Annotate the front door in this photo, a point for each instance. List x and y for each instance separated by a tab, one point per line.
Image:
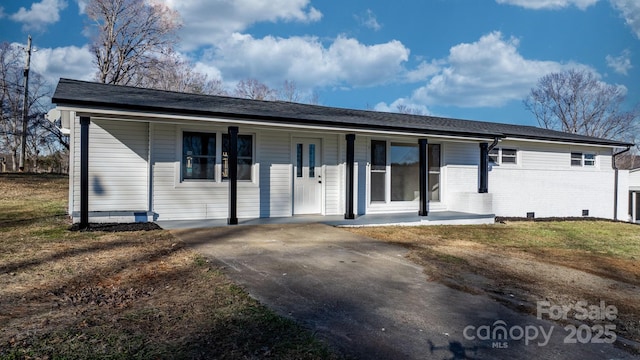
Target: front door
307	196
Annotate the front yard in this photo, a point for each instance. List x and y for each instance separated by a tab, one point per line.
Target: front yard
142	294
520	263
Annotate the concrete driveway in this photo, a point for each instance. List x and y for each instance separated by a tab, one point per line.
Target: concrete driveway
364	298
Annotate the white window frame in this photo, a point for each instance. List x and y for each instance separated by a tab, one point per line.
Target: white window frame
576	156
592	160
587	159
181	156
499	155
217	181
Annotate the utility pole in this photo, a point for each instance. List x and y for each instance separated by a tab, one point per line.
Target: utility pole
25	108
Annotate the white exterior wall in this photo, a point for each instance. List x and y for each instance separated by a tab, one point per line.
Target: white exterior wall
544	182
269	194
634	178
332	179
118	169
274	157
181	200
460	179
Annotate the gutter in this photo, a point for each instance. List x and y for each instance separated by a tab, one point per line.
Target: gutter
615	185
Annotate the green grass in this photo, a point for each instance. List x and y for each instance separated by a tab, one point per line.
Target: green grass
596	237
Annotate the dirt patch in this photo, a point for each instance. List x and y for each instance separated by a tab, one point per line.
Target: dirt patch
520	277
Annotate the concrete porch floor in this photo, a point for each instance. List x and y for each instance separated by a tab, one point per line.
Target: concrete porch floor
402	219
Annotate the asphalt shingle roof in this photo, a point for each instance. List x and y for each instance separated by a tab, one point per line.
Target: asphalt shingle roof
104	96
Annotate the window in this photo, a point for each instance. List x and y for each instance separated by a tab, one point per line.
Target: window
494	155
589	160
499	156
198	156
299	160
509	156
580	159
395	172
378	170
405	167
576	159
245	156
434	172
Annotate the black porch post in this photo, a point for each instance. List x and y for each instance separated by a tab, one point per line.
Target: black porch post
349	176
84	171
424	177
484	168
233	175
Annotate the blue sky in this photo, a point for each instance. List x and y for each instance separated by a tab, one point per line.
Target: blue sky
471	59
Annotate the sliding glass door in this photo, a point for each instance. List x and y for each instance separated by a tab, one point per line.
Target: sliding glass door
394	172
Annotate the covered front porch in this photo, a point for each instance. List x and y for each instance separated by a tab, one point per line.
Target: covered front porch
395	219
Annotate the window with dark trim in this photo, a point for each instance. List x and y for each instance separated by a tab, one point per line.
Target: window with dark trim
198	156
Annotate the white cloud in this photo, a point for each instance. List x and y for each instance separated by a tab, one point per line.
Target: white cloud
40	15
369	20
620	64
487	73
307	61
207	22
2	13
630	10
408	104
423	71
549	4
82	5
69	62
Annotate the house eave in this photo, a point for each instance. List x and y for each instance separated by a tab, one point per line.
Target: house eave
153	115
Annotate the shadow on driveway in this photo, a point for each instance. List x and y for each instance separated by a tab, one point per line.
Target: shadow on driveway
363	297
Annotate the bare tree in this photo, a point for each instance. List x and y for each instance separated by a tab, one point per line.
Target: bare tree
40	133
254	89
289	92
176	74
10	97
405	109
575	101
131	36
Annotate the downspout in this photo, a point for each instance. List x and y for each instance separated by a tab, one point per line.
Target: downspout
493	144
484	165
615	185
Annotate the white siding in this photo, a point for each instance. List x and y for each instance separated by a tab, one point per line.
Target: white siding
332	180
544	182
458	153
274	156
360	173
175	200
118	172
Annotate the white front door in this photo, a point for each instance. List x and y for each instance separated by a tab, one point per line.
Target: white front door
307	174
